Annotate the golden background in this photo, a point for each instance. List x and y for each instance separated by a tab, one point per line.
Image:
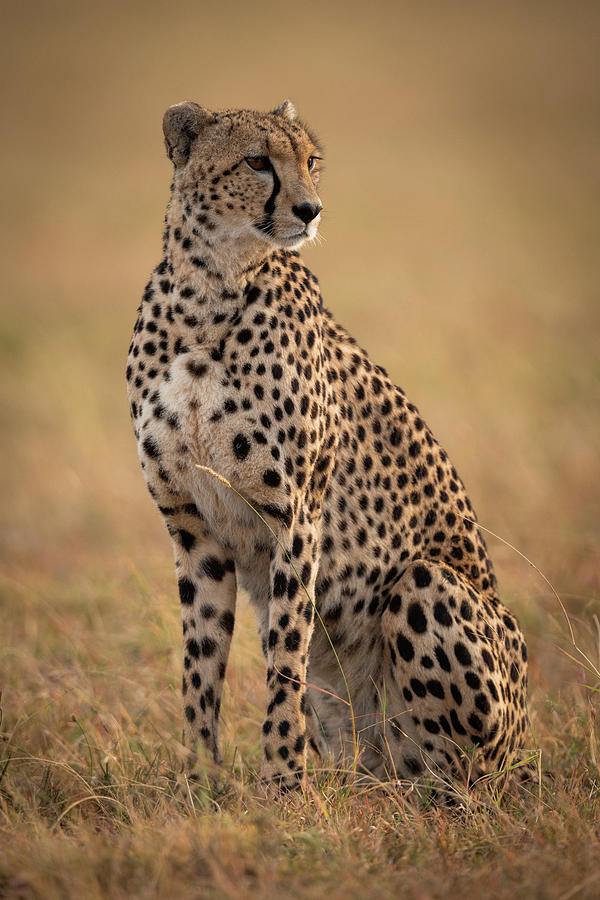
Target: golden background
462	237
462	243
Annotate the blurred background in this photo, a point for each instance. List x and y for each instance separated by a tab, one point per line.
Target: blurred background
461	249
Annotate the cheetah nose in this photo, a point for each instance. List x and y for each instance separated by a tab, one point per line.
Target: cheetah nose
307	211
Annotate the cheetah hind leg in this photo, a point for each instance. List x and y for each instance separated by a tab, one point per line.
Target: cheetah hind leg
455	677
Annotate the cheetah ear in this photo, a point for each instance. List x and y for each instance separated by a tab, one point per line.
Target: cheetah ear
182	124
287	110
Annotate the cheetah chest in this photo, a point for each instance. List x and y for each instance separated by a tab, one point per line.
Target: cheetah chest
199	419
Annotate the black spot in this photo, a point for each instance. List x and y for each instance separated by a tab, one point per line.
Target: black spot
441	614
395	603
196	369
487	658
446	726
492	689
193	648
418	687
279	584
187	591
405	648
475	722
213	568
456	724
334	613
190	713
422	576
151	448
431	726
413	765
285	675
227	621
241	446
470	634
508	622
272	478
456	694
444	662
473	680
284	515
416	617
435	688
482	703
208	646
187	539
462	654
466	611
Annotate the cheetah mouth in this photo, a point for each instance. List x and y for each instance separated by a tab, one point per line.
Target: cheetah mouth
295	237
267	231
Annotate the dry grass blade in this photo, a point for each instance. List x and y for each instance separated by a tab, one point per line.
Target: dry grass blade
533	566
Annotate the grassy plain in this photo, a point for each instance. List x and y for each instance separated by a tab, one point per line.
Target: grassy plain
461	249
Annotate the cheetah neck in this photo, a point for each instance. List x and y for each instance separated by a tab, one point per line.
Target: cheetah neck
202	297
210	260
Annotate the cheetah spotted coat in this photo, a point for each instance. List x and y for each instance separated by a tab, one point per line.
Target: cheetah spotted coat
236	366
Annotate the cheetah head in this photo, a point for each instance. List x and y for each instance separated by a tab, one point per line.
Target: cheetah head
246	177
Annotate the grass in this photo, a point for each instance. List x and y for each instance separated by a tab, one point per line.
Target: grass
93	801
460	206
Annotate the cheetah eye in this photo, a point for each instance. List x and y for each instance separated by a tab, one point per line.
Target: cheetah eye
311	162
259	163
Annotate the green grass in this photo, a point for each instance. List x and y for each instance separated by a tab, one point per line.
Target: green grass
461	227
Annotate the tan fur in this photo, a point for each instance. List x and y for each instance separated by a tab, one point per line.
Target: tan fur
235	366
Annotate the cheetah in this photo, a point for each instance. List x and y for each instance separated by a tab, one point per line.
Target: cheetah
284	461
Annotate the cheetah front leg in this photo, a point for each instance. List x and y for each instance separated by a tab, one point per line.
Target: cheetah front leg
291	619
207	591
